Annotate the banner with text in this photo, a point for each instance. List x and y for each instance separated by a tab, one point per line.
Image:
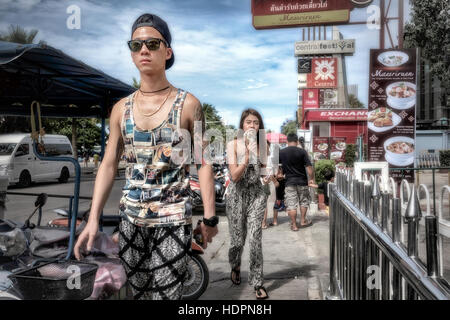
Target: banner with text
321	147
392	109
337	150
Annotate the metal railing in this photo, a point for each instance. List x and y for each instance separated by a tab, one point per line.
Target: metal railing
368	257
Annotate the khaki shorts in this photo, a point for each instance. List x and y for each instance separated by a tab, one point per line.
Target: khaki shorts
295	195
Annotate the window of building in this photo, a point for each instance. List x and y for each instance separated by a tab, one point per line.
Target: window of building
321	129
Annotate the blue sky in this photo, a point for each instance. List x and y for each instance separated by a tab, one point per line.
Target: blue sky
220	57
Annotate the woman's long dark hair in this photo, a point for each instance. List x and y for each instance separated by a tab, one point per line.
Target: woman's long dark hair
255	113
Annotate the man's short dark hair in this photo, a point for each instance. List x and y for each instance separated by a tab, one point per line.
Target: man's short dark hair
329	174
292	137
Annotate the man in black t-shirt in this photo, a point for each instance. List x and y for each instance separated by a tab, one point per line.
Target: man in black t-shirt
297	168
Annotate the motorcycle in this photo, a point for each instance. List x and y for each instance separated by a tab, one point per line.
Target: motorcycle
197	277
221	182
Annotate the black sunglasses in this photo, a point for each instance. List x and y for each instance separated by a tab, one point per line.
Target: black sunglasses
151	44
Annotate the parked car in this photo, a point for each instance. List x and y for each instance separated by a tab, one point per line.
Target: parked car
18	161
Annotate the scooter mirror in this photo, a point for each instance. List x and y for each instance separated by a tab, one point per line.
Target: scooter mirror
41	200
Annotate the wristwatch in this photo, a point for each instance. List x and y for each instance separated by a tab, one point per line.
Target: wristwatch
212	222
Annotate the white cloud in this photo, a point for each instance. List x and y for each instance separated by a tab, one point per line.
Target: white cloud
218	57
22	5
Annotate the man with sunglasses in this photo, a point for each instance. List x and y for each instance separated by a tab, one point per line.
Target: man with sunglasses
156	227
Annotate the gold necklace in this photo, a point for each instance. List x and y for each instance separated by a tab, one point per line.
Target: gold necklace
157	109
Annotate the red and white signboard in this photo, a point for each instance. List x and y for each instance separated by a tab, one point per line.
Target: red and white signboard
336	115
324	73
310	98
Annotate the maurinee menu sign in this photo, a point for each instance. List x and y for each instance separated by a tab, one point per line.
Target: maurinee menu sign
269	14
392	112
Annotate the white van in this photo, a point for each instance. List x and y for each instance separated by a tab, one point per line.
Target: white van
23	167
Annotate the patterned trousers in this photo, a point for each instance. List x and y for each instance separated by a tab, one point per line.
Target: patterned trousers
155	259
245	212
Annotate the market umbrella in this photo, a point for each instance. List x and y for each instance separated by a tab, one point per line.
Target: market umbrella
274	137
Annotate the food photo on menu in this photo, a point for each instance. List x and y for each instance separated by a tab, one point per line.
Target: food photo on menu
393	58
401	95
399	151
383	119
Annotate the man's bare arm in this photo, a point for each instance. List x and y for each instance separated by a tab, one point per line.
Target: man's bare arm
310	171
108	167
103	182
192	113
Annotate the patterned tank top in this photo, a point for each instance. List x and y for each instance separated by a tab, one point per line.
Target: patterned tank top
156	189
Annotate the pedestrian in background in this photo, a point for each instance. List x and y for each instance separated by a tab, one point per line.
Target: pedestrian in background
329	178
297	168
96	158
280	185
86	158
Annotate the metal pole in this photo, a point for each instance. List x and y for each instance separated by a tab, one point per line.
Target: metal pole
39	216
382	23
362	263
384	259
384	211
412	238
396	220
357	242
362	194
400	23
432	234
345	249
434	192
351	248
367	192
333	290
69	221
341	244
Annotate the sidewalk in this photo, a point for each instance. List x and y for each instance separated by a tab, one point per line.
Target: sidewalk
296	264
91	169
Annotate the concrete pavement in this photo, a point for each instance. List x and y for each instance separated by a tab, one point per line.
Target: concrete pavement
296	264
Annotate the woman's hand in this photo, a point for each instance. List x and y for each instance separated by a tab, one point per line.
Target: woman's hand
86	240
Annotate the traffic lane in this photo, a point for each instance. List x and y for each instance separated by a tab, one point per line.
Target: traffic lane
19	207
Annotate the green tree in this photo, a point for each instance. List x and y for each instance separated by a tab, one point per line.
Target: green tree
429	30
18	34
289	126
213	119
354	102
136	84
82	132
350	154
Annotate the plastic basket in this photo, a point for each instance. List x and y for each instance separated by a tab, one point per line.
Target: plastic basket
58	280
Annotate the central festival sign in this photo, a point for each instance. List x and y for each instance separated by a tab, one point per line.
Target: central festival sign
271	14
